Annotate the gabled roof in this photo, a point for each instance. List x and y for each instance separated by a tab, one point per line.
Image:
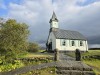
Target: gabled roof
54	17
67	34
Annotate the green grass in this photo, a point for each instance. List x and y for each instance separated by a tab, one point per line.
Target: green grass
94	63
36	54
41	50
29	55
45	71
91	53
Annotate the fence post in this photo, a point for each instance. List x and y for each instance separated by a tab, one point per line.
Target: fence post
78	55
56	57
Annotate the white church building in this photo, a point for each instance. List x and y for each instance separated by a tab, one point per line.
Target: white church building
64	40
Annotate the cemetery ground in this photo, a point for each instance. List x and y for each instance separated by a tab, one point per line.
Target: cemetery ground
92	58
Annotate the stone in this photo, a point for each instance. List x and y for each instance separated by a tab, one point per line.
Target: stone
56	57
78	55
88	73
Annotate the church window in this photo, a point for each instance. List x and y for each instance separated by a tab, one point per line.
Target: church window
81	43
63	42
73	43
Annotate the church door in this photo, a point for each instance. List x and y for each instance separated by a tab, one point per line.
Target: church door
50	46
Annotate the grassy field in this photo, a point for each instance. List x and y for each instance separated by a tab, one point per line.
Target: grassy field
46	71
36	54
29	55
89	53
93	62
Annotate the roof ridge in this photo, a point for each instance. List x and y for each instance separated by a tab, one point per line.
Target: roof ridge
68	30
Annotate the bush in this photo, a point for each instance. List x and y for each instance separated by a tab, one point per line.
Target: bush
33	47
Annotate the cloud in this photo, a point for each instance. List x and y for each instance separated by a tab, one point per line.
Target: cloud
37	13
30	11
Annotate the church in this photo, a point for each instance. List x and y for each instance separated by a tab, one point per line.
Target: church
64	40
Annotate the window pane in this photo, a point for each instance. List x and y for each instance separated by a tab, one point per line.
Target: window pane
81	43
73	43
63	42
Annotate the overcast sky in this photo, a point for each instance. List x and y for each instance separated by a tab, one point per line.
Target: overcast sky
79	15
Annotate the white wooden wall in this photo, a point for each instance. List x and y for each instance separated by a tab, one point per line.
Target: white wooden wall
53	40
56	43
69	46
54	24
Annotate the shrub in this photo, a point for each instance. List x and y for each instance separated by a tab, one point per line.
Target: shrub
33	47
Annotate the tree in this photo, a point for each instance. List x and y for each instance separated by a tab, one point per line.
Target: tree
33	47
13	37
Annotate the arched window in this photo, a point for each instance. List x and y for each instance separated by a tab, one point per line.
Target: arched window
81	43
73	43
63	42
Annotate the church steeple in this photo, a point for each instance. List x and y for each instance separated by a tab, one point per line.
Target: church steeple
53	21
53	18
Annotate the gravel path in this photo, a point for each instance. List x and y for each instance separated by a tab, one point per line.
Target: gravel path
63	56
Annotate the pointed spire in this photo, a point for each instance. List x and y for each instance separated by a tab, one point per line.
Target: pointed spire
54	18
54	15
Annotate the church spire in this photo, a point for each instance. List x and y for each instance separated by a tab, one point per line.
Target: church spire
54	18
53	21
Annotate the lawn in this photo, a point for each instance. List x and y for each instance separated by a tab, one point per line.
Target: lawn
89	53
45	71
94	63
29	55
36	54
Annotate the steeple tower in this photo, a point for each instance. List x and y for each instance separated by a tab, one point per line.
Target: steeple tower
53	21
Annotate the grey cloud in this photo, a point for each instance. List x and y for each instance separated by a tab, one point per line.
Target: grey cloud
36	14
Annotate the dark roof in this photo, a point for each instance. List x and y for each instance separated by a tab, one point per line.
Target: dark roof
68	34
54	17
